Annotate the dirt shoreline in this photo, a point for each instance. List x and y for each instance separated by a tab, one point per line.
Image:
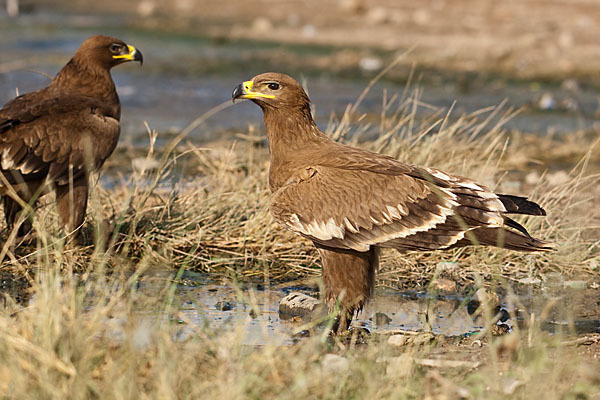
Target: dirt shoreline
524	39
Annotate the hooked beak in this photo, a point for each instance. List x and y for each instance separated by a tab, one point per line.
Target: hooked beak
244	91
133	54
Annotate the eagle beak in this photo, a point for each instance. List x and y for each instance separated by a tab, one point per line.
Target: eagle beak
132	55
244	91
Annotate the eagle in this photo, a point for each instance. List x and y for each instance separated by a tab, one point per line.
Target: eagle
351	202
54	137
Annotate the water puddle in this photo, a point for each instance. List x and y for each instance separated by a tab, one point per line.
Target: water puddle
184	76
207	303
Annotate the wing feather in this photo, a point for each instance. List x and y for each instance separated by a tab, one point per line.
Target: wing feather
415	210
46	134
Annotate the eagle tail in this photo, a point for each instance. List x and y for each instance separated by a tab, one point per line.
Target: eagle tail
520	205
504	238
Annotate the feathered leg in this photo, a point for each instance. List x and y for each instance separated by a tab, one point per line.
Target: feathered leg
26	191
349	279
72	204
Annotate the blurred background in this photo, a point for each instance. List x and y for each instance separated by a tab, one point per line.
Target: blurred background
541	56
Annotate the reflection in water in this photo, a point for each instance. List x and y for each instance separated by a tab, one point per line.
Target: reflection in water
256	310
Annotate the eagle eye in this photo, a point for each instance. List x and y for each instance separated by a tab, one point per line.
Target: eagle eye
273	86
115	48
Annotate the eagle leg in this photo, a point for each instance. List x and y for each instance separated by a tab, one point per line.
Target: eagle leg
349	279
71	204
12	209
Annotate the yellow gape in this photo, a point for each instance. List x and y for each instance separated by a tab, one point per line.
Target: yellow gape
129	56
249	94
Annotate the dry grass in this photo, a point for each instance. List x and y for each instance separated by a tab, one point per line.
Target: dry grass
89	332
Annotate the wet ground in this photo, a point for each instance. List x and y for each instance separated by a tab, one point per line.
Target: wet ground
207	301
185	75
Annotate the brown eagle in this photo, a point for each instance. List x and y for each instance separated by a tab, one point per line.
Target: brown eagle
58	134
351	202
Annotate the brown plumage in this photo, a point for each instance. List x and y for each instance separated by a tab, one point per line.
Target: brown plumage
58	134
351	202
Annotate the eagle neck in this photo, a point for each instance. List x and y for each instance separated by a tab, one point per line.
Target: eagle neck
291	133
89	80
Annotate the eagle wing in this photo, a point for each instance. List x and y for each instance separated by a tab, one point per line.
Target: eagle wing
407	208
43	135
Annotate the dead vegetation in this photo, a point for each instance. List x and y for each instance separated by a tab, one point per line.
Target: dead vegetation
89	332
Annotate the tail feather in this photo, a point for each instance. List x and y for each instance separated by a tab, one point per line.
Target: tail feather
504	238
515	225
520	205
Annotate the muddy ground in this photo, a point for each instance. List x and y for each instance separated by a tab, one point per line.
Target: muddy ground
526	39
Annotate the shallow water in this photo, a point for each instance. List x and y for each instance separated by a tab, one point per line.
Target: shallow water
207	302
168	93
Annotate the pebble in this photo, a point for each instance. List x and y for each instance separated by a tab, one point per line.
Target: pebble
444	285
297	304
378	15
532	178
500	329
352	6
398	340
262	24
546	101
146	8
224	305
370	63
309	31
381	319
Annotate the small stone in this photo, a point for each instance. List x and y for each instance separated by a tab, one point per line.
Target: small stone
546	101
262	24
532	178
444	285
422	16
297	304
378	15
352	6
398	340
509	385
146	8
370	63
570	85
224	305
500	329
381	319
400	366
309	31
293	20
